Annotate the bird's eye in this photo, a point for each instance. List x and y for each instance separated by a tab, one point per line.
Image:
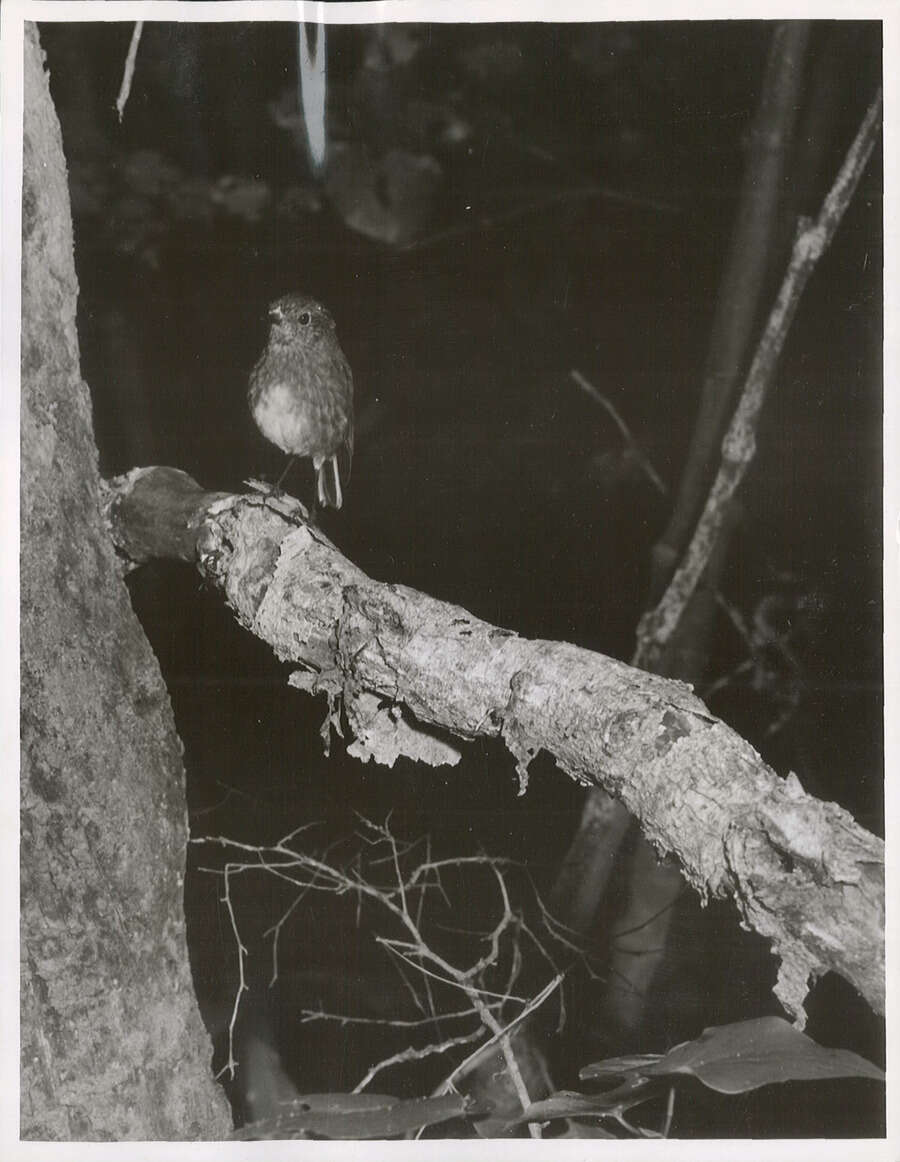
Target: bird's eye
303	318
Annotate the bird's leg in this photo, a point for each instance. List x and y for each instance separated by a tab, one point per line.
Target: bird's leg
336	479
283	476
314	502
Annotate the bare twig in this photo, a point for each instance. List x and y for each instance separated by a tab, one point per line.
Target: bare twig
403	898
473	1059
128	73
476	994
585	384
410	1054
242	983
309	1015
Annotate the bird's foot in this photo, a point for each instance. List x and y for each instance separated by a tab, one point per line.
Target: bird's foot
280	501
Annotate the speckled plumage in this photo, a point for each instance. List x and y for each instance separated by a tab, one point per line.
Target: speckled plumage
301	392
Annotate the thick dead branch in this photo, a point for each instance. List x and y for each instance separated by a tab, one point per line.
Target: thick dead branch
404	665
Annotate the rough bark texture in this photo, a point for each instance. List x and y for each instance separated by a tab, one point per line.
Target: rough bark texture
403	665
112	1043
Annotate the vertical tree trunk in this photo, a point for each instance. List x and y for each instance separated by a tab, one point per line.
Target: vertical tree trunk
112	1042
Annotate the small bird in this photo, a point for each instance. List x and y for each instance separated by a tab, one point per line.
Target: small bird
301	393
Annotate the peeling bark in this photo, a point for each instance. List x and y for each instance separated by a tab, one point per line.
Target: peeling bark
800	871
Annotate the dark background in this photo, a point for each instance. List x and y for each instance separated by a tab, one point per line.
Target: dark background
585	193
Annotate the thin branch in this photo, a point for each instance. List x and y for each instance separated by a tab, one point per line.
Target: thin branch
740	291
309	1015
410	1054
309	873
586	386
128	73
472	1060
394	946
242	983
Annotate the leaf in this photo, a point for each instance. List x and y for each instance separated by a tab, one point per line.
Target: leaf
728	1058
579	1130
748	1054
353	1116
571	1104
636	1063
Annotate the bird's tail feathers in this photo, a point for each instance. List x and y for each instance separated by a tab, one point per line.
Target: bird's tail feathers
329	484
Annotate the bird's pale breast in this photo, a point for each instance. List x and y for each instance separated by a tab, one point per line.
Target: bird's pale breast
305	412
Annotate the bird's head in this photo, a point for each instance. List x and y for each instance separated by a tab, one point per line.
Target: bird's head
299	316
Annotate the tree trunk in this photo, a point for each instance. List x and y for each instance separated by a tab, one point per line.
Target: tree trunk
111	1039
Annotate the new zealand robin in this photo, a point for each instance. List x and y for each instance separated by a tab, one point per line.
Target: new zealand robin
301	393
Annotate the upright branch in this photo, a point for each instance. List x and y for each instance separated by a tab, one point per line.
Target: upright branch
739	445
738	299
